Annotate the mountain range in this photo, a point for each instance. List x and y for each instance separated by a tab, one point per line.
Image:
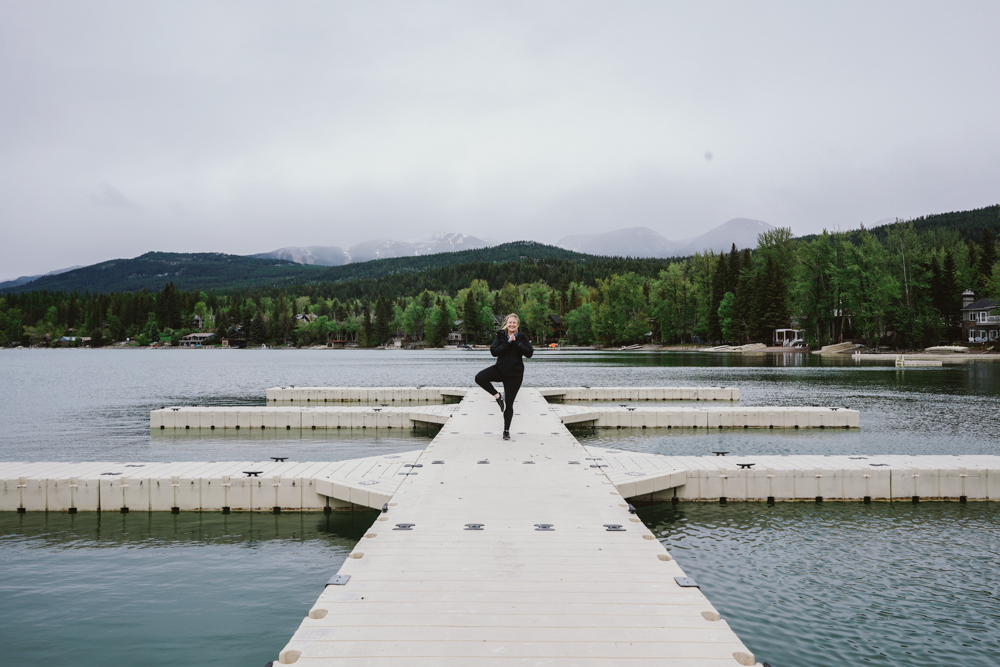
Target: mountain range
375	249
286	265
23	280
644	242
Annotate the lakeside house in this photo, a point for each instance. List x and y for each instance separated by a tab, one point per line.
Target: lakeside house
978	325
196	339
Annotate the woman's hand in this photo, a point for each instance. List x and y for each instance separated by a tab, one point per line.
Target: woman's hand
511	337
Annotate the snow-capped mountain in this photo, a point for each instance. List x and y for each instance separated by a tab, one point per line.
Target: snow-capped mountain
376	249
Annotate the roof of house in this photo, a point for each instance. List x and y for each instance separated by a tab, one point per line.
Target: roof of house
193	336
982	304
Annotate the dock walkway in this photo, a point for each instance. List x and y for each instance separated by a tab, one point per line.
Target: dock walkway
504	553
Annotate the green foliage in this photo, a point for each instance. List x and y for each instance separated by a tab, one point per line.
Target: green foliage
727	308
579	325
535	311
258	330
383	320
620	316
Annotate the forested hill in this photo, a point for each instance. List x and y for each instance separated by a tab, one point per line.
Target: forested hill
221	272
553	271
187	271
506	252
968	225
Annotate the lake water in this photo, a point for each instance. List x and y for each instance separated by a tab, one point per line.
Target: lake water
802	584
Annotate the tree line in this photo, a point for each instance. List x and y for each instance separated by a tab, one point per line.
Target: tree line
901	287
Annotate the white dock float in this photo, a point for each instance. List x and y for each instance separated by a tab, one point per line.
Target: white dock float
365	483
293	417
408	394
601	416
641	393
362	394
711	417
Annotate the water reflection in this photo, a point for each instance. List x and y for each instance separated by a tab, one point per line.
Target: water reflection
846	583
160	589
155	529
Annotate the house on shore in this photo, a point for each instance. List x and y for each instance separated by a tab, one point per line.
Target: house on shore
978	324
196	339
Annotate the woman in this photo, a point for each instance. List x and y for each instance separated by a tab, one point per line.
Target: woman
508	347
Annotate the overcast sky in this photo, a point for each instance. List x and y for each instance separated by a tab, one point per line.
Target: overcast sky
243	127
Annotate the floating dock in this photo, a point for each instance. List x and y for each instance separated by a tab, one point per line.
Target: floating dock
598	416
492	552
369	483
409	394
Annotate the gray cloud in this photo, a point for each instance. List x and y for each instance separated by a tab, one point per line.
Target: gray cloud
111	197
242	127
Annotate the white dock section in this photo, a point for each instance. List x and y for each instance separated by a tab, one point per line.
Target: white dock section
653	477
598	416
289	417
371	482
408	394
363	394
520	552
641	393
203	486
606	416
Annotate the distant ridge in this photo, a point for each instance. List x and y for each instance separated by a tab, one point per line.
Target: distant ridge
218	271
967	224
375	249
23	280
644	242
505	252
188	271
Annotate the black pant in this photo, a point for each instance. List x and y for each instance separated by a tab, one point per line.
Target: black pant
511	383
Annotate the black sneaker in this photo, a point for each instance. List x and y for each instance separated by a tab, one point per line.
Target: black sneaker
501	403
506	435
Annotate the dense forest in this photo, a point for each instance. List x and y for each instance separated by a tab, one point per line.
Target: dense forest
900	285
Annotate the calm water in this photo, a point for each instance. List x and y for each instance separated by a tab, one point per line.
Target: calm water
885	584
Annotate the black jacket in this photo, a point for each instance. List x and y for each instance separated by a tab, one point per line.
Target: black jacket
509	354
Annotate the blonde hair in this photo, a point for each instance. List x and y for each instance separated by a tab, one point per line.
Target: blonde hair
507	319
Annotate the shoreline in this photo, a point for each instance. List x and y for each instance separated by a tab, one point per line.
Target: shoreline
869	356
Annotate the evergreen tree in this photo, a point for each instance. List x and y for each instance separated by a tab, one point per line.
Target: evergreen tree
987	258
258	329
383	319
719	279
221	323
745	308
733	270
725	316
563	295
951	298
366	335
774	312
973	266
937	287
